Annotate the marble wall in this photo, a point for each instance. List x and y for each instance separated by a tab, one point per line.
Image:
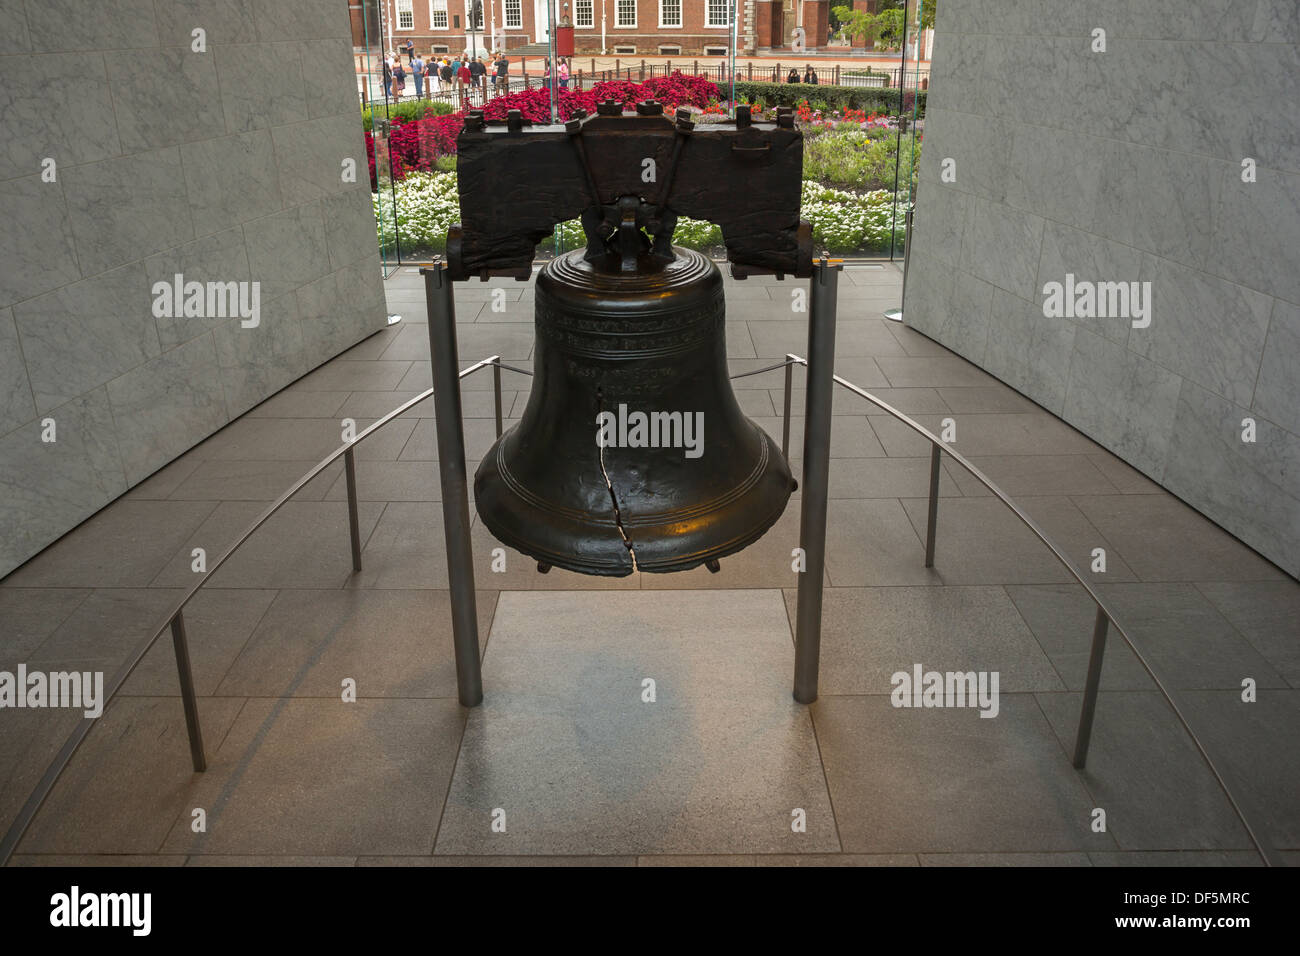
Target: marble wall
1045	155
126	156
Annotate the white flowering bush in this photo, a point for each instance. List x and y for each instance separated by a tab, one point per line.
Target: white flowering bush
845	222
427	205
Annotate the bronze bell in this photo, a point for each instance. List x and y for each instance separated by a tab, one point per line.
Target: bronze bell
632	453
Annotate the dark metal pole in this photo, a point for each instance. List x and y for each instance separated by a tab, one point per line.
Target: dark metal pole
932	519
496	392
188	699
1099	628
354	525
785	412
816	478
455	487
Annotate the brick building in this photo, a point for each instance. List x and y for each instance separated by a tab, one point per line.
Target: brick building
615	27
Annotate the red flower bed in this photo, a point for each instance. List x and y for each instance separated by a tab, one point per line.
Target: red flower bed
418	144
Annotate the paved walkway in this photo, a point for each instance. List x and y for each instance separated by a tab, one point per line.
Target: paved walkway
718	768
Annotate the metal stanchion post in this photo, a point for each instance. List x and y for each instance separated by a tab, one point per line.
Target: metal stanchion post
455	487
1081	740
354	522
188	698
816	478
932	518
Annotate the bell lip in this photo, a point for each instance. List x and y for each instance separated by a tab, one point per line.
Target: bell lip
659	564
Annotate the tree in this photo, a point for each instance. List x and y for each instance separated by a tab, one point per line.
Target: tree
887	24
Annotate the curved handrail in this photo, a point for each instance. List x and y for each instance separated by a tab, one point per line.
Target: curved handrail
1261	845
79	733
74	741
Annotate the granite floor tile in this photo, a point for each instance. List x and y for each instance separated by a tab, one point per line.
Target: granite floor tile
477	861
1006	859
218	624
1156	858
886	478
104	629
872	543
980	541
86	860
278	781
1020	475
1145	772
1164	540
1257	746
306	544
566	747
302	439
836	859
1062	617
1266	613
123	546
947	781
392	643
870	634
352	375
29	615
242	480
130	781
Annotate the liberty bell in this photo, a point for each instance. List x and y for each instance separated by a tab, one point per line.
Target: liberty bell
632	453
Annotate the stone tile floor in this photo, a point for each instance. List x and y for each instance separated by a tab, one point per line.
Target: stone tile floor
723	764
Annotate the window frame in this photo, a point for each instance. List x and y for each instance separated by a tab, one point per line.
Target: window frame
636	15
729	6
681	15
446	15
591	9
397	16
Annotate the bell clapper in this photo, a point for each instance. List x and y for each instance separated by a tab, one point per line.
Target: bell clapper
713	566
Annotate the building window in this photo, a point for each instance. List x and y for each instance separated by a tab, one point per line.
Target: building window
630	50
625	13
670	13
584	13
717	13
405	15
715	51
438	15
514	14
670	50
440	48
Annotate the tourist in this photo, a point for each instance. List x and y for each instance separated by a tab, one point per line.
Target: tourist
417	74
388	77
446	73
809	75
564	73
477	71
793	77
399	78
503	71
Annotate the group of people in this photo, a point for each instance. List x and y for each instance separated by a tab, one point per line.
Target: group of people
809	75
562	73
463	74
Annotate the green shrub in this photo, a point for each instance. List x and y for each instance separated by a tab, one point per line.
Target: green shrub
857	160
871	99
406	111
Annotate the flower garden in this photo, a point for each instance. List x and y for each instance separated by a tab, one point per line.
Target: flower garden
850	157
